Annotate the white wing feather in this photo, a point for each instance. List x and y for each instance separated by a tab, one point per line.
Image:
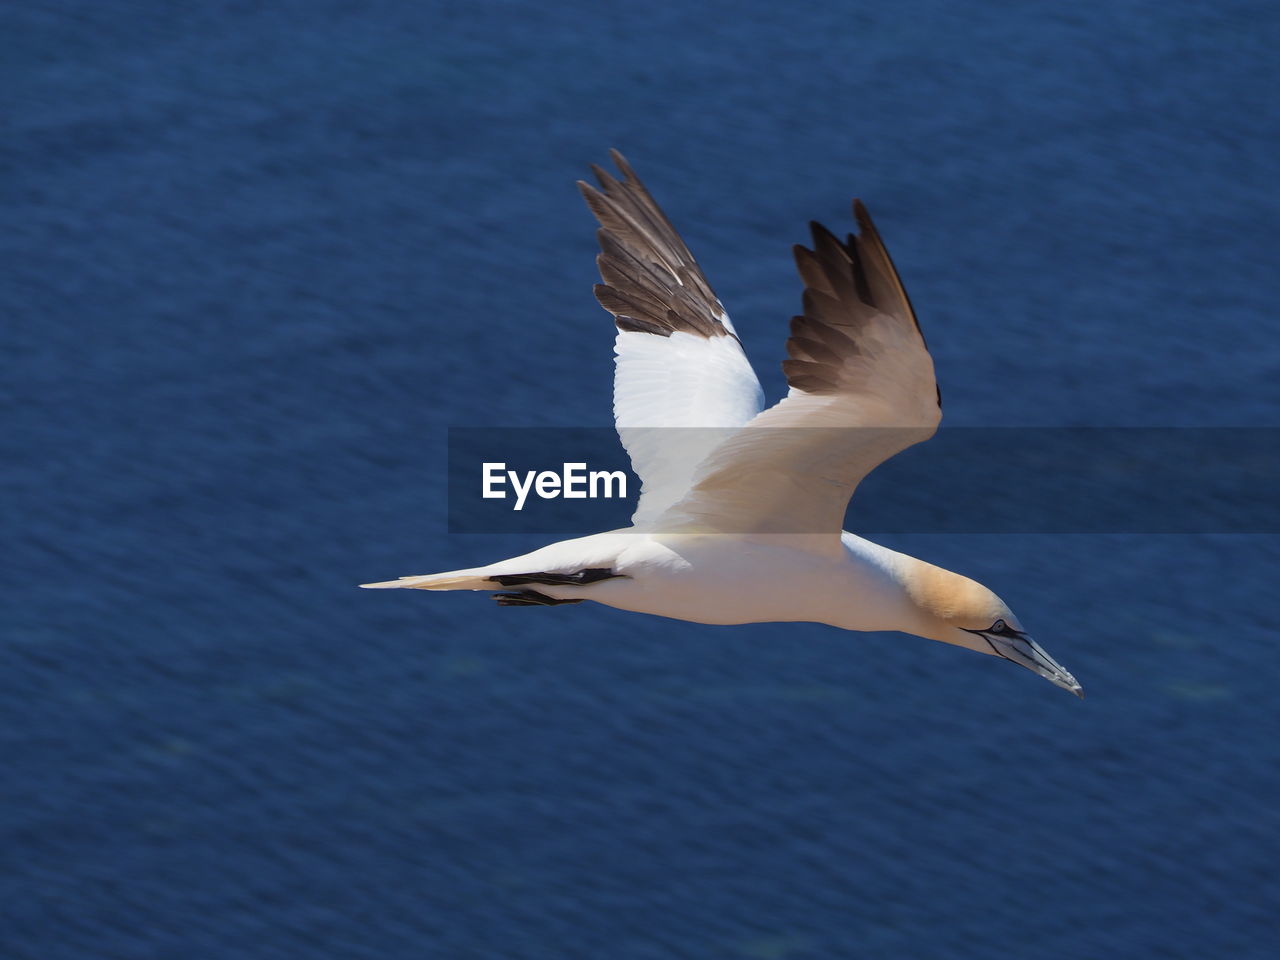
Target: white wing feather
674	398
681	379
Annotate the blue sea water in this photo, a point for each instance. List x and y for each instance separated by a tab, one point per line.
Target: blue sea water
258	257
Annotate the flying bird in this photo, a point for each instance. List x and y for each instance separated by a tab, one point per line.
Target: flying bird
741	509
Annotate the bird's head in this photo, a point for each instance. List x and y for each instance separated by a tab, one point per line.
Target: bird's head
955	609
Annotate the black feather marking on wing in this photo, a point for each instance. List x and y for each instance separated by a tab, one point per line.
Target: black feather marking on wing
578	578
530	598
845	286
651	284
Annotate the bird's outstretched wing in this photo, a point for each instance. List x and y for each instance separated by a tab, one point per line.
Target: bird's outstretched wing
681	379
862	388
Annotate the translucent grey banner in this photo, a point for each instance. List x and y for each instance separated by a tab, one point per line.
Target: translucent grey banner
575	481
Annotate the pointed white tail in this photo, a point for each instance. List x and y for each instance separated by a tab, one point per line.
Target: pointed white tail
453	580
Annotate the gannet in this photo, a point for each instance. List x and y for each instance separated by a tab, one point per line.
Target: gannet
741	509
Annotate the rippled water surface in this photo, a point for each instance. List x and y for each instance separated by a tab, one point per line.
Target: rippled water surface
258	257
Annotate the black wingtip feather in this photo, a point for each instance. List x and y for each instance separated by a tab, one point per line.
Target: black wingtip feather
589	193
860	214
605	178
656	286
620	162
821	234
847	283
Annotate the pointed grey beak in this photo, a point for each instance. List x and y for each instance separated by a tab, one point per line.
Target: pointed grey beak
1027	653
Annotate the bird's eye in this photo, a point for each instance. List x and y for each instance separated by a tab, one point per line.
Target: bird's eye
999	627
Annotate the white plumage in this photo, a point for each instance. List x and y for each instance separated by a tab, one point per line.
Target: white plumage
739	519
674	399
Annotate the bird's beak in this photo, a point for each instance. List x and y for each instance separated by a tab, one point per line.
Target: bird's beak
1026	652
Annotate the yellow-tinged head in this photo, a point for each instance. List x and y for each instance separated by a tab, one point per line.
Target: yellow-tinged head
955	609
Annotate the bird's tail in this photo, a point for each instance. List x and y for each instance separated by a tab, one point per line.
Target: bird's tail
473	579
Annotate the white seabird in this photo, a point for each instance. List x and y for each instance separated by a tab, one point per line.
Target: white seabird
739	520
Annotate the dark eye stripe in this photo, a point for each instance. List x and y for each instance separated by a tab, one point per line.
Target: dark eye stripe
997	629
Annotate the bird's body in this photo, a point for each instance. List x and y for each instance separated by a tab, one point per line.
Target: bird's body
712	578
740	516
